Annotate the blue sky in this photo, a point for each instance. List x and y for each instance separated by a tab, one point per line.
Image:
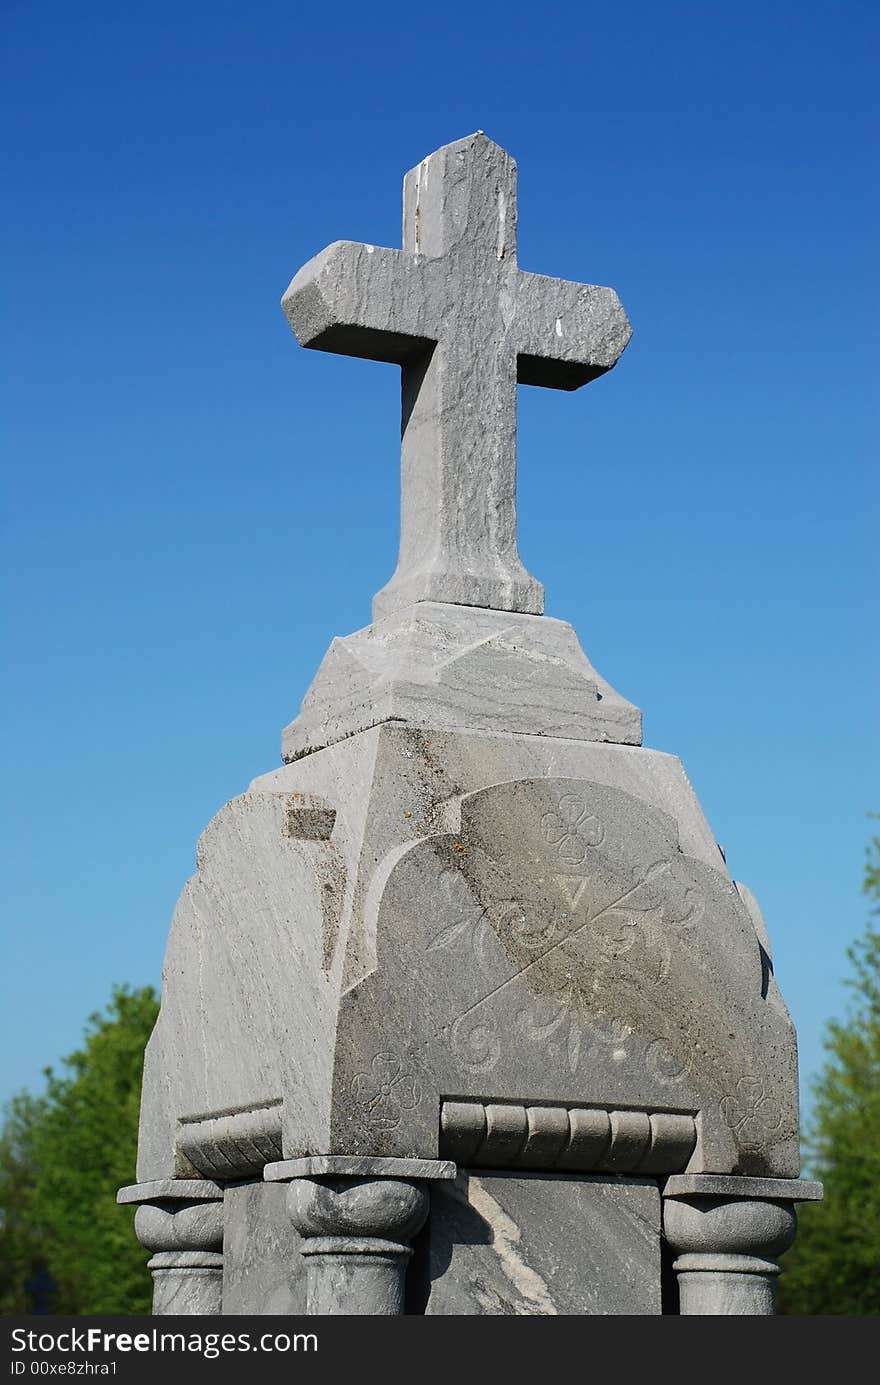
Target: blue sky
195	506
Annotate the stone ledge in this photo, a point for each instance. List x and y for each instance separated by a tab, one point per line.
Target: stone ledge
170	1190
355	1166
682	1185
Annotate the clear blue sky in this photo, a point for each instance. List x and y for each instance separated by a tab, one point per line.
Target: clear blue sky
195	505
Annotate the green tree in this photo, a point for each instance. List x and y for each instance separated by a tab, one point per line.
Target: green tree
834	1266
63	1155
22	1243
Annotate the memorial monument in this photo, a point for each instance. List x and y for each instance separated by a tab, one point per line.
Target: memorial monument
462	1012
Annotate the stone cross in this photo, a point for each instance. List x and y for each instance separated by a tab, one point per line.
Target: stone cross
472	959
466	325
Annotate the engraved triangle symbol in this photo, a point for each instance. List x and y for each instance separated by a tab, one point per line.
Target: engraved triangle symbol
572	888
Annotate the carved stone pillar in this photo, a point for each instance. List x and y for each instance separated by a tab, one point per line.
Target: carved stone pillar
181	1221
727	1233
357	1218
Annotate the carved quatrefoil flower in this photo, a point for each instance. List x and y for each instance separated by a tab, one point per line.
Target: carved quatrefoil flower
750	1112
572	829
385	1092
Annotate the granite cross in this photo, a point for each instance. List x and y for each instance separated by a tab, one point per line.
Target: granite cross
466	324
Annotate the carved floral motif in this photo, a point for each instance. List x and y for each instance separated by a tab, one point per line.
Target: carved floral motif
750	1112
385	1092
571	829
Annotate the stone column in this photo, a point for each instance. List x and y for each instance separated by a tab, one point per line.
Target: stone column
357	1218
181	1221
727	1232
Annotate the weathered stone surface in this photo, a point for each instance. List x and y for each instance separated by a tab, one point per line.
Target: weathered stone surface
560	920
547	1136
539	1244
187	1238
187	1283
263	1271
238	1143
445	667
356	1240
170	1190
686	1185
541	940
346	1166
187	1226
727	1249
465	323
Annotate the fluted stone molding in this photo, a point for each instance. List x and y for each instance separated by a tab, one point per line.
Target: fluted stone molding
357	1217
574	1139
181	1222
727	1233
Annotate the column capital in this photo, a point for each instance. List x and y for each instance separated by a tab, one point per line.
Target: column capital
345	1213
181	1221
180	1226
727	1232
357	1216
708	1228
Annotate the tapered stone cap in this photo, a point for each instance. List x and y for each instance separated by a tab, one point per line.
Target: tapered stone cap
444	667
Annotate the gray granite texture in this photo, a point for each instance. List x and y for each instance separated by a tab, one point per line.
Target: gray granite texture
726	1252
533	1244
688	1185
550	1136
453	309
409	918
186	1237
171	1190
263	1271
446	667
356	1240
557	947
346	1166
187	1284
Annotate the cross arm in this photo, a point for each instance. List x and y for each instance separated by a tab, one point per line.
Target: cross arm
567	333
359	300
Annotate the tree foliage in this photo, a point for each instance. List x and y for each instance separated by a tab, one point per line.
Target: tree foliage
63	1155
834	1266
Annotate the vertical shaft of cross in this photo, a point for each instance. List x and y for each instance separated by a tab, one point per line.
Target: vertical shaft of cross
458	483
458	446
